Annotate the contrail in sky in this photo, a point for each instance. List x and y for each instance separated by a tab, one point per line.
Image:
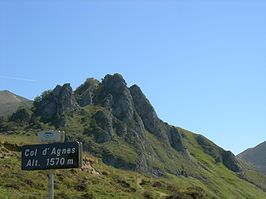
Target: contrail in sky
17	78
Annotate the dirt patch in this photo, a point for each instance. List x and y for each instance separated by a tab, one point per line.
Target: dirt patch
87	165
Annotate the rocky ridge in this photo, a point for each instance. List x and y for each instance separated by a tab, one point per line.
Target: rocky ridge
125	115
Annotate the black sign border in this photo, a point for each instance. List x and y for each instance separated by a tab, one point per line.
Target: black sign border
80	155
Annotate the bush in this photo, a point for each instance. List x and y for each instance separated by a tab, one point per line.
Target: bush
62	195
22	115
42	97
87	196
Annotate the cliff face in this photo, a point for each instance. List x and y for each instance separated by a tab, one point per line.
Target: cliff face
119	124
54	104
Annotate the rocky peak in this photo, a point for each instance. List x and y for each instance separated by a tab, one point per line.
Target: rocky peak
85	93
114	83
114	95
59	101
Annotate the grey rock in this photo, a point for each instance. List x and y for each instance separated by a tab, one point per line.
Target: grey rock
147	113
85	93
86	98
58	102
152	122
175	140
218	154
108	102
114	93
47	109
230	161
104	121
115	96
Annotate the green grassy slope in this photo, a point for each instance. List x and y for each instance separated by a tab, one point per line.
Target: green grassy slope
97	180
122	161
94	180
129	151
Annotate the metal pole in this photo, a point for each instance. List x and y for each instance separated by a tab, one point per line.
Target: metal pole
50	184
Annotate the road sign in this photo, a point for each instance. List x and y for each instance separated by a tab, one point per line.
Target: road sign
51	156
51	136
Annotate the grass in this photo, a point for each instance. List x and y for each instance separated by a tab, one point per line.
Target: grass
197	176
19	139
117	183
223	182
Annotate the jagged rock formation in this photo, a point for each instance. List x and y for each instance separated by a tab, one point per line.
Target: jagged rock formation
230	161
151	121
105	122
118	125
123	117
220	155
85	93
56	103
114	95
144	108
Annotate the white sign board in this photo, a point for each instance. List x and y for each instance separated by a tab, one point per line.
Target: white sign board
51	136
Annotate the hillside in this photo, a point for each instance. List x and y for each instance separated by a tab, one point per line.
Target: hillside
133	153
9	102
255	156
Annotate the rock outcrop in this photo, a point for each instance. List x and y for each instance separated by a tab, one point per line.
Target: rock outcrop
147	113
152	123
105	125
123	118
56	103
85	93
219	154
230	161
115	95
175	140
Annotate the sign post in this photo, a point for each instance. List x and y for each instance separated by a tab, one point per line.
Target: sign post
50	137
57	154
50	184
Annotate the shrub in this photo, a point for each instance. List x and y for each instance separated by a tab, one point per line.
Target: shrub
22	115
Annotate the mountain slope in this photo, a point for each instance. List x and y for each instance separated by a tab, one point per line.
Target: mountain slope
9	102
255	156
118	126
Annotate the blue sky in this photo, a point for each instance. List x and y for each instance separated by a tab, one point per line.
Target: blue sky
202	64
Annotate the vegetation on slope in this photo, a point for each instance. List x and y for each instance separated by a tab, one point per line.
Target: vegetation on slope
9	102
130	152
98	180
